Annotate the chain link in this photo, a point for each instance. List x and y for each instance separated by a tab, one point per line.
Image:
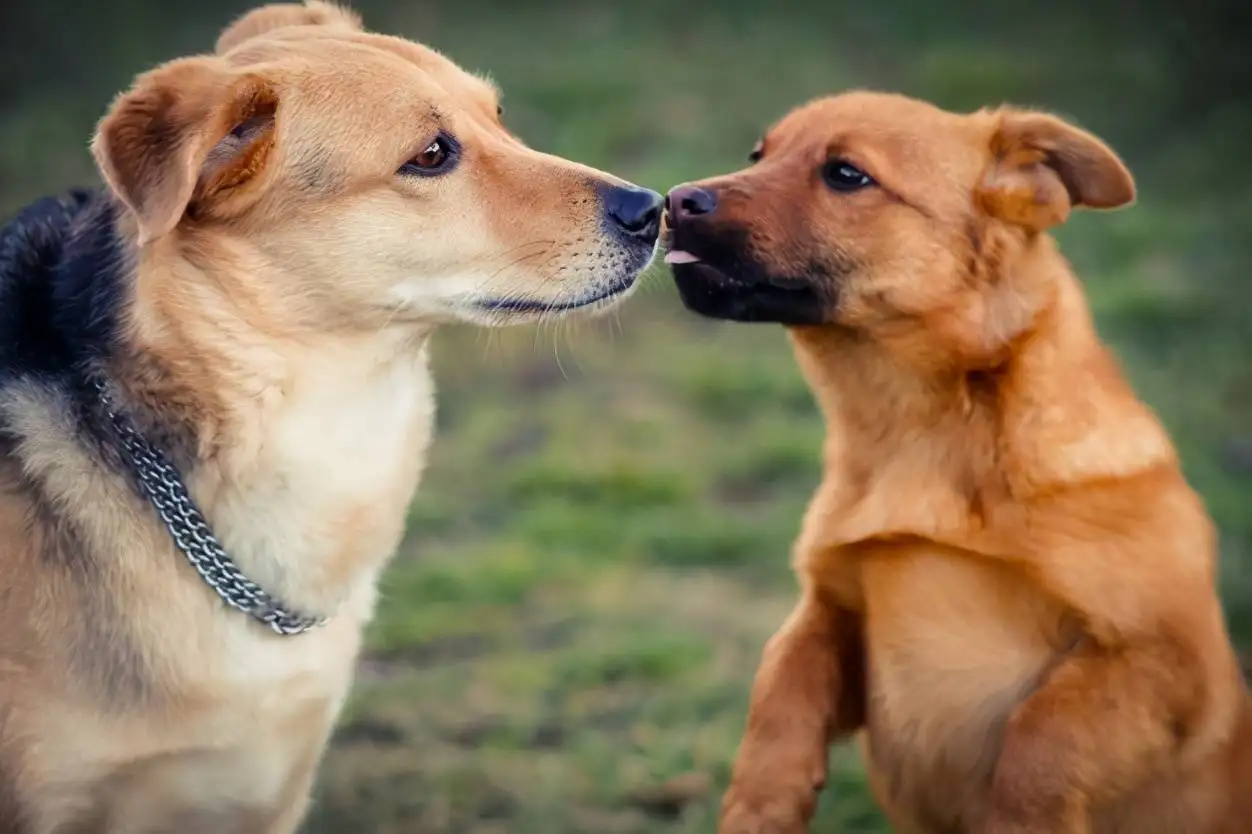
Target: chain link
160	482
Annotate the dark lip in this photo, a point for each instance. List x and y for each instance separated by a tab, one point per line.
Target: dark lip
524	305
711	273
716	265
708	291
672	241
706	266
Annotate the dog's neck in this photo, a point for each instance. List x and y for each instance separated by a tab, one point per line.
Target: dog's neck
301	446
927	451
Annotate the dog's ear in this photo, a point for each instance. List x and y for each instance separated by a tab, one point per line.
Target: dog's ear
278	15
189	133
1042	167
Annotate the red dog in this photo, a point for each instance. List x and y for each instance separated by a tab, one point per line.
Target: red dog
1008	586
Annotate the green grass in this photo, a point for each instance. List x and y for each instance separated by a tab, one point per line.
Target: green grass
599	548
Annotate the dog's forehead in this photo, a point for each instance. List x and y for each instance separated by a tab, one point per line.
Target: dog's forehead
355	103
381	64
883	122
446	71
915	147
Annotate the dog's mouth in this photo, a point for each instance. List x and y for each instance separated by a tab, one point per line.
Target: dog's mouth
746	295
625	266
680	256
614	291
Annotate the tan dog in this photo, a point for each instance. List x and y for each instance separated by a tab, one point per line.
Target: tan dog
245	312
1007	584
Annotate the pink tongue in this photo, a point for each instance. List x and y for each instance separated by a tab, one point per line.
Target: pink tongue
678	256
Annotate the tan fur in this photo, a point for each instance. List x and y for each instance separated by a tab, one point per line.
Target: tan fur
285	284
1008	586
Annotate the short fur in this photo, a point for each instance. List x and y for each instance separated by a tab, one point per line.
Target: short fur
1008	586
258	283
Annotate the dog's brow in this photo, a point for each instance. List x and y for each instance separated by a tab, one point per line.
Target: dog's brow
839	146
487	81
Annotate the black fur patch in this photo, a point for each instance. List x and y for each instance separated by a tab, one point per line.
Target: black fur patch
62	287
62	290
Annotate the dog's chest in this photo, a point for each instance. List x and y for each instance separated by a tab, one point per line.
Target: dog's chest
227	729
954	644
233	750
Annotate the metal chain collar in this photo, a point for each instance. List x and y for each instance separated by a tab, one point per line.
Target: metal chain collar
160	482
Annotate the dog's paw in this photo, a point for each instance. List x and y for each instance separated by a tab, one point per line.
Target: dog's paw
999	822
772	812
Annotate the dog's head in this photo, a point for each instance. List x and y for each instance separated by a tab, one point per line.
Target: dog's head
367	178
889	216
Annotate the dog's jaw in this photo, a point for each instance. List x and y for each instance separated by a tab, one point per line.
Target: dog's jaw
711	293
719	275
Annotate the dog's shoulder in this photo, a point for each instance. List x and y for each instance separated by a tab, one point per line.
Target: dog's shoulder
61	284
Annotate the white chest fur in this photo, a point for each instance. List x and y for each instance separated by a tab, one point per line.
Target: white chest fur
313	503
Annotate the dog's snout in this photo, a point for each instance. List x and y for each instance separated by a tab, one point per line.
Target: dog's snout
636	210
689	201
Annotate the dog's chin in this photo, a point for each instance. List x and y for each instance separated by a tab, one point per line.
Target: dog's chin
710	292
591	302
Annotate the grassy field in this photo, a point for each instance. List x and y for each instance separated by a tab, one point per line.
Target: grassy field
599	548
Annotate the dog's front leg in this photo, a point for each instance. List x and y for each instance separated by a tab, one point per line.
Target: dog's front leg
809	689
289	820
295	802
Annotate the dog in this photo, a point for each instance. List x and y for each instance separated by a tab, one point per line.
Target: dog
1008	588
215	404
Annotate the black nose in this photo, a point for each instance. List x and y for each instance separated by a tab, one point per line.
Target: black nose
688	201
636	210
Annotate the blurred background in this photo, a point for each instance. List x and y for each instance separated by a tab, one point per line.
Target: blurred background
599	548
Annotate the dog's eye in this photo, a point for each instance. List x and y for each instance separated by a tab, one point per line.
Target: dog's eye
755	155
499	110
843	176
438	157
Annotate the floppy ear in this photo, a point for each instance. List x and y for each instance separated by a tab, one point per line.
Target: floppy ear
1042	167
189	132
277	15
